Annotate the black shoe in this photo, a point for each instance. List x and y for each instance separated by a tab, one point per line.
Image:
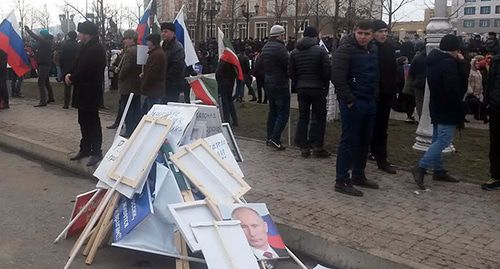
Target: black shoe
443	176
265	102
253	99
492	184
321	153
388	169
305	152
65	107
80	155
51	101
40	105
364	182
114	126
277	146
94	159
347	188
259	101
418	176
5	107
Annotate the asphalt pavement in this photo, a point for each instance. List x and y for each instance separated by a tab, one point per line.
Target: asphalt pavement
36	201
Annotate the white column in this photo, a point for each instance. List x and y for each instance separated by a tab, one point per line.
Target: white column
438	26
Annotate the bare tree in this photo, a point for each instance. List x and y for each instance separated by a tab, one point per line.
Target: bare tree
21	7
280	8
392	7
43	16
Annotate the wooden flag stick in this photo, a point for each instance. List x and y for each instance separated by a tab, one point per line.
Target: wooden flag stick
84	208
92	222
101	233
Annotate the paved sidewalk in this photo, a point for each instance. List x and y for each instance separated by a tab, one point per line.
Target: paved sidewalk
451	226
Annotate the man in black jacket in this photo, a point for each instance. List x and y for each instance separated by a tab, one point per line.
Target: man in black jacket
44	61
68	57
174	52
356	79
387	87
309	69
87	77
492	100
447	75
275	59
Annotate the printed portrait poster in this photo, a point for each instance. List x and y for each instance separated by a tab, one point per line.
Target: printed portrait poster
260	231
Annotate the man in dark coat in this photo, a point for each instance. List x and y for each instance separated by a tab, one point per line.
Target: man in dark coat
356	78
407	49
4	92
387	87
309	69
87	77
275	58
174	80
418	75
492	45
44	60
153	78
67	60
226	75
247	78
447	74
492	100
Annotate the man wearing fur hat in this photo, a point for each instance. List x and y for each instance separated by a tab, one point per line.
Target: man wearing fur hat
44	60
174	52
87	77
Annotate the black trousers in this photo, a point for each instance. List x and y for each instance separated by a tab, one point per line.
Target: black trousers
90	127
311	135
378	145
260	89
494	112
4	92
248	82
228	109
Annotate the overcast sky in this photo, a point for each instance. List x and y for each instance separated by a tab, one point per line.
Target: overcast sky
412	11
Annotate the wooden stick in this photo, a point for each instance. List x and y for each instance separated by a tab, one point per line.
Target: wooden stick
92	222
97	228
302	265
84	208
226	250
187	196
125	111
101	233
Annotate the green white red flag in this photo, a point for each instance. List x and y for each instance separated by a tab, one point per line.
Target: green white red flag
227	54
204	88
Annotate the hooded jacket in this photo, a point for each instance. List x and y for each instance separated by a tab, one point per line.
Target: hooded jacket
355	70
447	78
309	67
493	83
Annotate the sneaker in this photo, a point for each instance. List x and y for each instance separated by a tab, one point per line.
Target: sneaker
347	188
268	142
321	153
94	159
371	157
418	176
364	182
277	146
305	152
443	176
410	120
492	184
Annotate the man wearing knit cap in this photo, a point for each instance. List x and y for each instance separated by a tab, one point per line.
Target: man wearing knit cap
387	91
175	57
275	58
44	60
447	75
87	77
309	69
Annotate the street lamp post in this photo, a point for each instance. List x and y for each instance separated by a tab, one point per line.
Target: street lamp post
212	8
245	11
438	27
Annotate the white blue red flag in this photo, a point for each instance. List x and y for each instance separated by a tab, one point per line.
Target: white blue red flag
182	34
12	43
144	27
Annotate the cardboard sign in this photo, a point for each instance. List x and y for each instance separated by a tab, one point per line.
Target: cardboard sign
219	144
80	202
182	118
208	116
131	212
142	54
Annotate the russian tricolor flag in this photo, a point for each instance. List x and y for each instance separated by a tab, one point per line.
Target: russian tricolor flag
143	29
12	43
182	34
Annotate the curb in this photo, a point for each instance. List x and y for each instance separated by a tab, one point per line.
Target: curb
321	249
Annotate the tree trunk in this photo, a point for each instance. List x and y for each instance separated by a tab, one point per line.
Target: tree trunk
198	28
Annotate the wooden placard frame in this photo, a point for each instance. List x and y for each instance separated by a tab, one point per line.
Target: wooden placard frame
177	159
145	126
231	142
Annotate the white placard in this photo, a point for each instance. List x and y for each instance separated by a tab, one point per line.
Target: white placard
187	213
219	144
182	118
224	245
209	115
142	54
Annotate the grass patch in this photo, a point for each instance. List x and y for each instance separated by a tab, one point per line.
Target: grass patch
470	162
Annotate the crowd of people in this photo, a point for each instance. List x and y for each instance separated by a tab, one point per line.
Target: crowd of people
371	73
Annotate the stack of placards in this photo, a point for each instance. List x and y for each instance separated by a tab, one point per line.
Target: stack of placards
177	181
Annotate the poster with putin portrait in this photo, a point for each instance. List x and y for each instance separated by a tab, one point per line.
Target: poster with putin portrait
260	231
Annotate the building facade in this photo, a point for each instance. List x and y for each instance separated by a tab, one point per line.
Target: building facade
476	16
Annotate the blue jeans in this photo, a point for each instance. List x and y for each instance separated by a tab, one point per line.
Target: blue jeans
357	129
148	103
442	136
277	118
240	89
